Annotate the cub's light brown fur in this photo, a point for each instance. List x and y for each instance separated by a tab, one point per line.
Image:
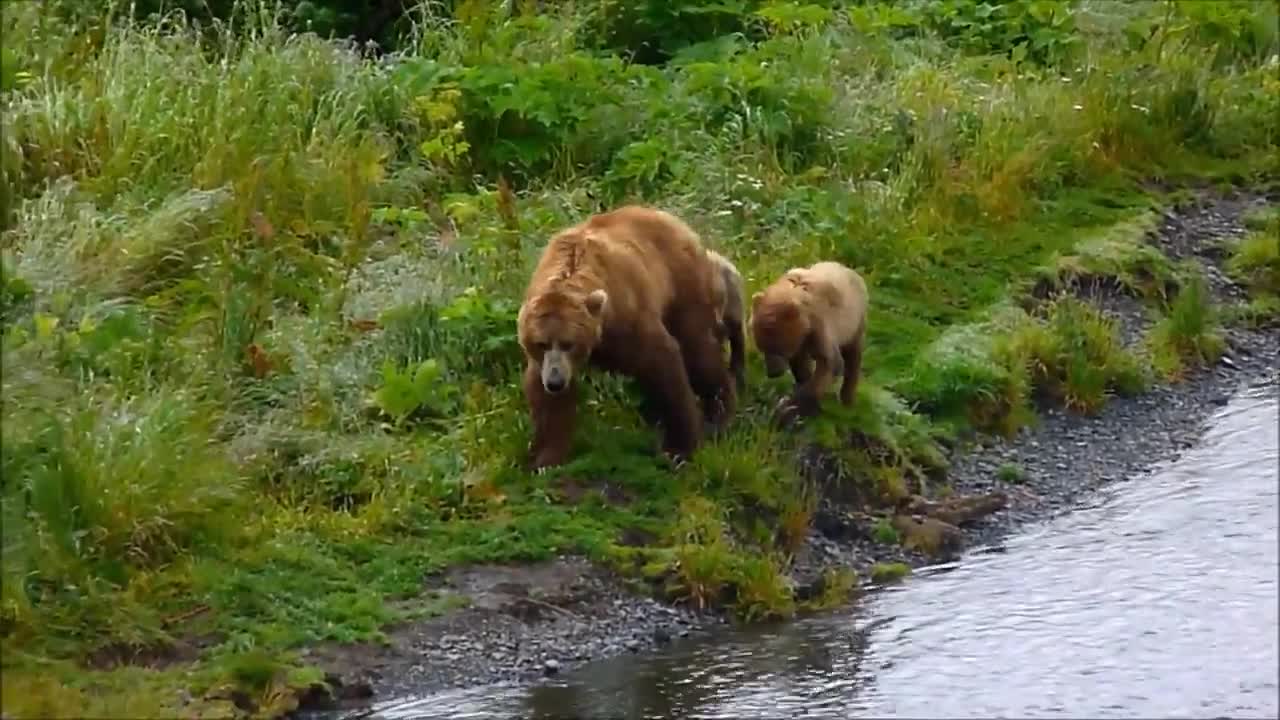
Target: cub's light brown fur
818	313
730	299
628	291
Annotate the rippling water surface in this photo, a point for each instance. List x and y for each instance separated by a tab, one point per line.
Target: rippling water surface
1159	600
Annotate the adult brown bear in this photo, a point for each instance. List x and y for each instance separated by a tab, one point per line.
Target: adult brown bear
629	291
818	313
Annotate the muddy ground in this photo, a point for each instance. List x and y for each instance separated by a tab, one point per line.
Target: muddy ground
523	622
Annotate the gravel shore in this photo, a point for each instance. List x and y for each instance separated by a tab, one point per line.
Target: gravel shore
524	622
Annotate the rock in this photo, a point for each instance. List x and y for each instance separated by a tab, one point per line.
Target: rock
632	645
551	667
928	535
958	511
661	635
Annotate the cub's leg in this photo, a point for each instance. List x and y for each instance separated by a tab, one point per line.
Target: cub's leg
852	368
801	368
806	400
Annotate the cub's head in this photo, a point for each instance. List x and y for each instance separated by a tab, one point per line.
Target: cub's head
558	331
779	326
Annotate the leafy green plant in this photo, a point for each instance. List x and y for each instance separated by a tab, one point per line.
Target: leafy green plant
1039	31
413	389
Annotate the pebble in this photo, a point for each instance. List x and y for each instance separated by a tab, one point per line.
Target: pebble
551	667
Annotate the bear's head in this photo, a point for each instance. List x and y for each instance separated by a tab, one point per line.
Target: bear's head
779	326
558	330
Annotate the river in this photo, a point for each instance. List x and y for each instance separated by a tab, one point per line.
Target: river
1158	599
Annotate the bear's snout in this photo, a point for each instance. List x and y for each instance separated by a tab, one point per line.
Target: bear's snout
554	377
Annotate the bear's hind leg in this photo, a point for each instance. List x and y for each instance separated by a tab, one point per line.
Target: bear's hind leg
553	419
737	352
852	354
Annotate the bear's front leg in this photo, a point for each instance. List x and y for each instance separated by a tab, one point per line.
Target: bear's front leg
660	370
695	332
805	401
553	419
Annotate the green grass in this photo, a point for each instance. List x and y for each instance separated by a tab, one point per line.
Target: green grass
259	294
1011	473
1255	261
884	573
1118	255
1189	336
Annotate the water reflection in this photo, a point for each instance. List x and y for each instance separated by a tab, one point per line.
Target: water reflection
1160	600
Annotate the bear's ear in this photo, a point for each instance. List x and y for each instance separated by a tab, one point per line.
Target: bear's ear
595	302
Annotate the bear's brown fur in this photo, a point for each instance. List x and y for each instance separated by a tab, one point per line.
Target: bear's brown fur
730	299
818	312
628	291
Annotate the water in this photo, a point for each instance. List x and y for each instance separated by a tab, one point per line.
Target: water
1158	600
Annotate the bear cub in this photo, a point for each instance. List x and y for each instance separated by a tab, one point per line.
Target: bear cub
817	313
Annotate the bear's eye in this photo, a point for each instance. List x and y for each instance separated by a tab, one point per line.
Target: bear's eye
540	348
567	347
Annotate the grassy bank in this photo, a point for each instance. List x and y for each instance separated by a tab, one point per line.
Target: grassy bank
260	371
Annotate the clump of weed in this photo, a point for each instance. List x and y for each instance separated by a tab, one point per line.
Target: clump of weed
890	453
1011	474
837	586
1255	261
1119	256
1258	312
966	376
101	490
1263	218
709	570
1075	356
763	591
884	532
797	518
1189	334
884	573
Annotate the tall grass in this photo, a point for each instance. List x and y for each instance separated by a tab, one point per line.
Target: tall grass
227	252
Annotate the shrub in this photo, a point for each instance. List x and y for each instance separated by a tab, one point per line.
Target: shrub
1189	333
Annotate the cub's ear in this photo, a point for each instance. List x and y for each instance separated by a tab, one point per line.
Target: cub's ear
595	302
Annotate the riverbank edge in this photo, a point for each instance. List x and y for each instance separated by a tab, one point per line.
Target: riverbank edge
523	622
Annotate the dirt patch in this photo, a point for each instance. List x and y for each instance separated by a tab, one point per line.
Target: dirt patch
574	491
154	656
520	622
